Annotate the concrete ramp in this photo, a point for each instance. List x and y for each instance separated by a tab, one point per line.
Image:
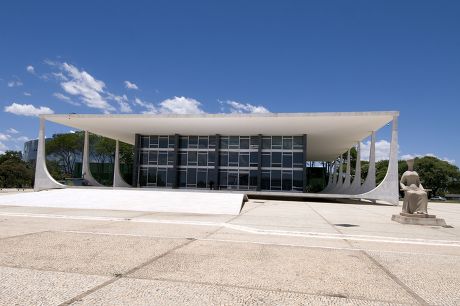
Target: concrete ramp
131	199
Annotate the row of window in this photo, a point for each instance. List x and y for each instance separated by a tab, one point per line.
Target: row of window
232	179
226	142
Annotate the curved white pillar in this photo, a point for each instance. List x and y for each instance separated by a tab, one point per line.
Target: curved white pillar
356	185
388	189
118	180
43	179
85	170
329	183
369	182
339	183
347	182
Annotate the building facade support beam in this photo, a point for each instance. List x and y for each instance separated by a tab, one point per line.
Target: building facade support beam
118	180
356	184
85	168
43	179
388	189
369	182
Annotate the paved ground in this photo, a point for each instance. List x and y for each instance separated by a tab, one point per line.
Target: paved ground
284	253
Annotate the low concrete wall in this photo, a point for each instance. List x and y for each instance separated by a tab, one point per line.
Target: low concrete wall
131	199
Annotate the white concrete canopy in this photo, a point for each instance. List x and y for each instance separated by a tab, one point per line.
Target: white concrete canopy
329	134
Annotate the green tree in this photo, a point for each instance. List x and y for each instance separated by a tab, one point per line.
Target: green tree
14	172
436	174
66	148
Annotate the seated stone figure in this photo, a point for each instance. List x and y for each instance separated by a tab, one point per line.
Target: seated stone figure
415	196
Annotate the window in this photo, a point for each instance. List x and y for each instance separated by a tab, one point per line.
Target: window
276	142
172	142
266	143
191	177
244	180
287	160
202	158
192	158
163	142
201	178
266	160
183	142
223	178
163	158
152	178
265	180
224	142
153	157
297	142
153	141
145	142
233	159
223	156
193	142
254	142
183	158
244	160
275	180
287	180
234	142
254	159
287	143
161	177
253	178
203	142
276	159
297	159
297	179
244	143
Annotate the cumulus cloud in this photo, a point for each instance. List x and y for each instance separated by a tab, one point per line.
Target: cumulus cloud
123	103
15	83
180	105
149	107
382	150
84	86
411	156
12	131
4	137
130	85
30	69
3	148
65	98
23	138
237	107
27	94
27	109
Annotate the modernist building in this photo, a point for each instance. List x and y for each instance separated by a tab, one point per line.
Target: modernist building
244	152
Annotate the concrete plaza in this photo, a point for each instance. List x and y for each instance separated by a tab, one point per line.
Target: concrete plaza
274	252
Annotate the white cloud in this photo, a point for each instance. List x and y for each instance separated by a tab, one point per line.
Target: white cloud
12	131
382	150
86	87
180	105
130	85
412	156
22	138
27	94
64	98
27	109
30	69
14	83
123	103
149	107
237	107
3	148
4	137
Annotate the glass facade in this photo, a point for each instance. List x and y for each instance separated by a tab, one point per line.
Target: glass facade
222	162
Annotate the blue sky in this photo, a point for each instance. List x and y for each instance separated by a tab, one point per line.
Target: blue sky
224	56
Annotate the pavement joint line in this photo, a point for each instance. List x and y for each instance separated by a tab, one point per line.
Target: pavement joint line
318	235
122	275
131	271
376	263
263	289
256	242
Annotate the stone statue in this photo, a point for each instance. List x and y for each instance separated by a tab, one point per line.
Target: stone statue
415	196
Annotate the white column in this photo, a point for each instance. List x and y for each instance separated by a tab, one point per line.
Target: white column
347	182
85	169
339	181
43	179
356	185
118	180
329	183
388	189
369	182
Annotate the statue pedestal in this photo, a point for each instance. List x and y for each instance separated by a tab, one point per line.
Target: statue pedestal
418	219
